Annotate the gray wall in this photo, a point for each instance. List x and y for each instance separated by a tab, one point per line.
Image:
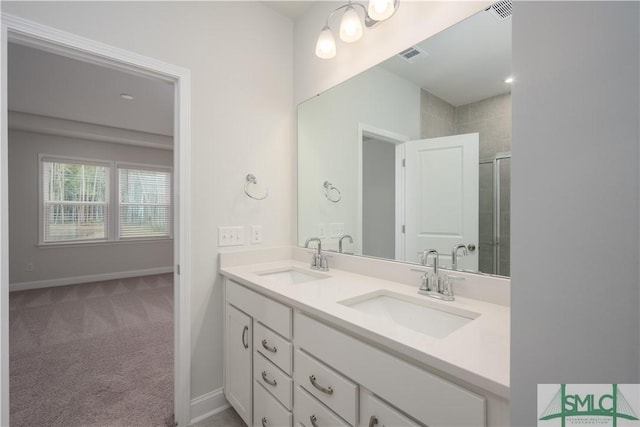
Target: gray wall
54	262
378	199
575	197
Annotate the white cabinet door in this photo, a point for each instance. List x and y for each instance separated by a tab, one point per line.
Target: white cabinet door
238	368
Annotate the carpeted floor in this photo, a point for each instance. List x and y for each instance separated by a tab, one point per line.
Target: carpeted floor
95	354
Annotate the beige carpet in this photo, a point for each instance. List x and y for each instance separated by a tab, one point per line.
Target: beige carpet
96	354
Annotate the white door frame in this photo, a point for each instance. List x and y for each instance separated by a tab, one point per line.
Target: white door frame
398	140
22	31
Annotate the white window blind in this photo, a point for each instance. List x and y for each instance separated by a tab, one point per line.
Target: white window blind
75	199
145	203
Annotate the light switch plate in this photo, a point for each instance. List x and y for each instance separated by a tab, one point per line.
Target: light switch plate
336	229
231	236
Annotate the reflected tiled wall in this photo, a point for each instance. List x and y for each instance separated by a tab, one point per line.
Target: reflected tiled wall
491	118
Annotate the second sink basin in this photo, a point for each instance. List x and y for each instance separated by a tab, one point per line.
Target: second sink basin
291	276
412	313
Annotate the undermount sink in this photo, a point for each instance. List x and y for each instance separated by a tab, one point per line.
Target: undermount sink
291	276
412	313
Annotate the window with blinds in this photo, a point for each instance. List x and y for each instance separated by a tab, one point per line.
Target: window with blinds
84	201
144	203
75	202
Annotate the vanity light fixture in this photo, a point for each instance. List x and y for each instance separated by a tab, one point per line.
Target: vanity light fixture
350	26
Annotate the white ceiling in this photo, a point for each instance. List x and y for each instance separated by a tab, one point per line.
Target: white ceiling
52	85
466	63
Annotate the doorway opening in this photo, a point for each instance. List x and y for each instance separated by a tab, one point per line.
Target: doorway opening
28	34
381	193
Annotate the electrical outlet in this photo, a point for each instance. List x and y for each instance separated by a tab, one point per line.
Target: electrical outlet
256	234
28	267
231	236
323	230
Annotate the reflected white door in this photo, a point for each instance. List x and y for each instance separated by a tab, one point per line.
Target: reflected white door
441	199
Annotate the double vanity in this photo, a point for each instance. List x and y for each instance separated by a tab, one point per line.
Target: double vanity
343	348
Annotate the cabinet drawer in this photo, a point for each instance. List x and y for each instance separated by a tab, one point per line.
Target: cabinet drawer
277	316
428	398
379	414
311	413
331	388
267	412
273	379
273	347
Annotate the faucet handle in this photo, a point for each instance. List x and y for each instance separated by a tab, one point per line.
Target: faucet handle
324	263
446	286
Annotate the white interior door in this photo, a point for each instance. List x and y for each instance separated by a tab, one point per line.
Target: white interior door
441	184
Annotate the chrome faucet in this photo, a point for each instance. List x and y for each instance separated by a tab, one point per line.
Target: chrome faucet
435	284
318	261
344	236
424	257
454	255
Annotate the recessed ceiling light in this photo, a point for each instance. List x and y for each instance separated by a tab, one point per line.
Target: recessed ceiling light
509	79
126	96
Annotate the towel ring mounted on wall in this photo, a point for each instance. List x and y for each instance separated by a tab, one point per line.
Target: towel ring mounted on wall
331	192
251	180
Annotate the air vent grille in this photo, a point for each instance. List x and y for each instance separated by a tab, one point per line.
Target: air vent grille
502	9
413	54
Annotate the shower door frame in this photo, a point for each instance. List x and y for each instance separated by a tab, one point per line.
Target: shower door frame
495	238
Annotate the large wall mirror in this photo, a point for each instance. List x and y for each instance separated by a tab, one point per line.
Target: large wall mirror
415	153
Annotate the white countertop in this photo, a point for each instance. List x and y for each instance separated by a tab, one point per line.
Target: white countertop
477	353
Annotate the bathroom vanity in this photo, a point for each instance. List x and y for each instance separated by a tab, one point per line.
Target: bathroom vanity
338	348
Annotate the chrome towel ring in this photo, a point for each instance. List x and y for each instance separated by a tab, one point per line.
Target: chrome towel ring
331	192
251	180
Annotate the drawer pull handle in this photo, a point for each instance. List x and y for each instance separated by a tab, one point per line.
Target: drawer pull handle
327	390
267	380
264	422
313	420
269	348
245	331
373	421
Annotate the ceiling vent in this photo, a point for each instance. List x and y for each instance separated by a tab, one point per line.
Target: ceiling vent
501	9
413	54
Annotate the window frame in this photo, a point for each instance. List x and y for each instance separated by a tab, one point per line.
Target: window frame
112	204
147	167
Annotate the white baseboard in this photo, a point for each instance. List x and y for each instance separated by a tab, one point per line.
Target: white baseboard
22	286
207	405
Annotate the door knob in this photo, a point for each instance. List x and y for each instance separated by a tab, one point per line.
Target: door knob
471	247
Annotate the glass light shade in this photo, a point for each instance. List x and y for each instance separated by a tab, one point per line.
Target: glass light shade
326	45
380	9
350	26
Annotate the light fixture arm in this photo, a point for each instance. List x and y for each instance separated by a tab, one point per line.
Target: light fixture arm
369	22
350	25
